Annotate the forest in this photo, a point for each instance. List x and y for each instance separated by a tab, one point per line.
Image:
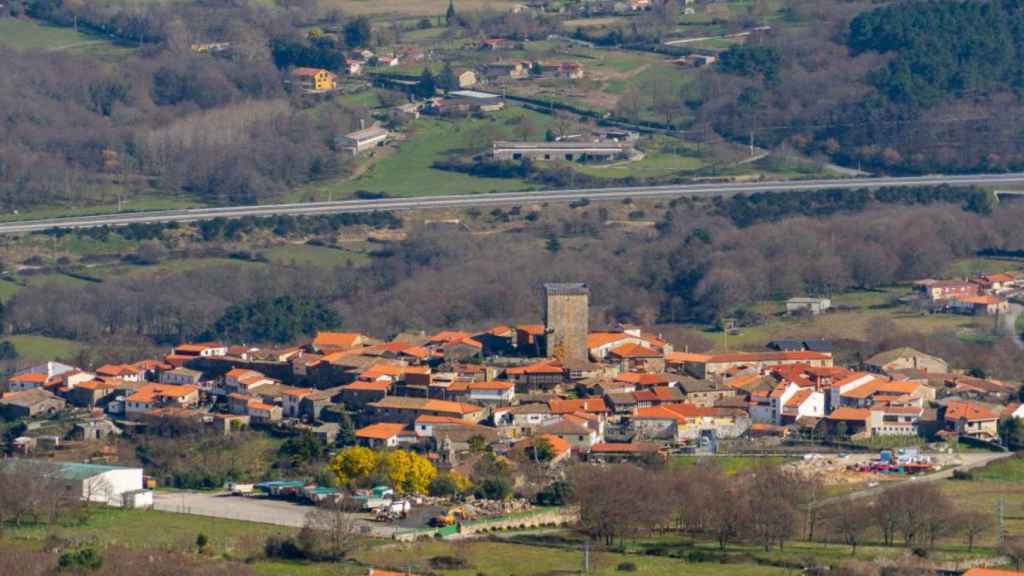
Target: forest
697	267
919	86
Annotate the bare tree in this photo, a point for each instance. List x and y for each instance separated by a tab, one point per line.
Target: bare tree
974	523
331	531
848	521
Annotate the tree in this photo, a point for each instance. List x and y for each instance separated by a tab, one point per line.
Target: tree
1013	546
426	87
408	472
848	521
353	464
542	450
346	430
450	484
282	319
450	16
302	448
771	511
331	531
974	523
447	80
358	32
1011	430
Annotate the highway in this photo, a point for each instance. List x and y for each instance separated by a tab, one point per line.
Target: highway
501	199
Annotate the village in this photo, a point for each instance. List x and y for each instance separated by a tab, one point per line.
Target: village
546	394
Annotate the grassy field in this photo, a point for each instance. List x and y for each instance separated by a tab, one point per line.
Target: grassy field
407	171
322	256
41	348
841	325
8	290
133	205
729	464
154	529
522	560
967	267
417	8
653	165
30	35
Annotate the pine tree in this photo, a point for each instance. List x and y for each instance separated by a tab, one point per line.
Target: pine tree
427	86
450	16
447	81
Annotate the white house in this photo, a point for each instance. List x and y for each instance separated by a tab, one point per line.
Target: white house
181	377
37	376
292	400
494	392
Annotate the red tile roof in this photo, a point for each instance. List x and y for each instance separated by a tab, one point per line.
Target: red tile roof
847	413
591	405
631	448
634	351
380	431
955	410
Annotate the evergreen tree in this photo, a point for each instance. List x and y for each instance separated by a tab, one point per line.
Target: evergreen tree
427	86
450	16
447	80
346	431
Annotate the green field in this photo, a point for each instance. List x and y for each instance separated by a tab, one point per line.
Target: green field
154	529
653	165
729	464
33	348
141	204
522	560
408	172
8	290
322	256
30	35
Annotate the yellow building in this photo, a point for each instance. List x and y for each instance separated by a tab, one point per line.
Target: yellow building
316	79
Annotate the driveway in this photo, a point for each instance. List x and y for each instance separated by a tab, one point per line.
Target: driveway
249	509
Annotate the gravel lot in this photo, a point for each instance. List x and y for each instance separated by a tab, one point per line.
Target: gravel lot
249	509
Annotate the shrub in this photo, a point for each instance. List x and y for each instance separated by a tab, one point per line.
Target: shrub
448	563
962	475
83	559
626	567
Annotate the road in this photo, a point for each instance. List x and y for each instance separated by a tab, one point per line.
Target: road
971	460
502	199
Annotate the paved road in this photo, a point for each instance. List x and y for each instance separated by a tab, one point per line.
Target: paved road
502	199
248	509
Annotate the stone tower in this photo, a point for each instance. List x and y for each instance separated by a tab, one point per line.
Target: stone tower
566	321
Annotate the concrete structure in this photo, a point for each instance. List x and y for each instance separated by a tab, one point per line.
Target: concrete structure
567	321
904	358
814	306
363	140
567	151
93	482
29	403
